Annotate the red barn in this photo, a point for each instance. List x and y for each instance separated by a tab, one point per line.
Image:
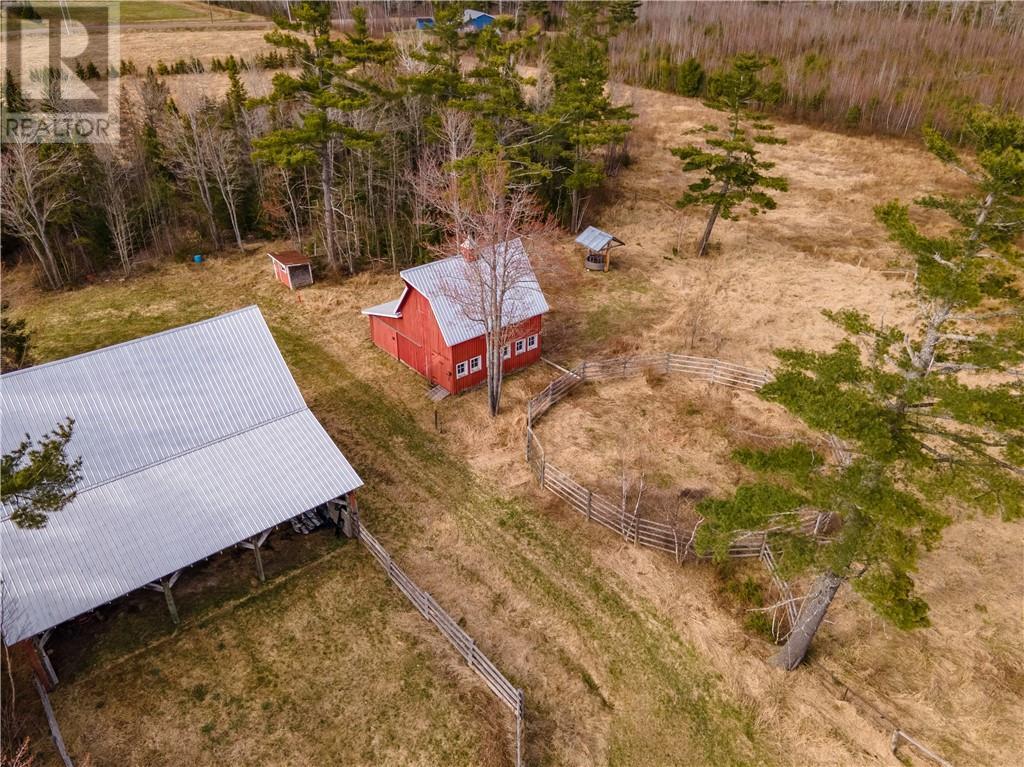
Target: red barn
428	327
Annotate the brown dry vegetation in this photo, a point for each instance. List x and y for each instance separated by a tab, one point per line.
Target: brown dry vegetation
625	657
673	433
896	65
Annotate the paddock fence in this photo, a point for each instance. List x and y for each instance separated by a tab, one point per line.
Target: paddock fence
678	540
506	692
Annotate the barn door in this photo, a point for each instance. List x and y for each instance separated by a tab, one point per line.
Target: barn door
438	367
411	354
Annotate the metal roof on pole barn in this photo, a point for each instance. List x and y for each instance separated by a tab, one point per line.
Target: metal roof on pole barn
192	440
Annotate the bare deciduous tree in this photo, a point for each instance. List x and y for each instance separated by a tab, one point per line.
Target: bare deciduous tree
186	143
118	184
225	161
487	219
32	192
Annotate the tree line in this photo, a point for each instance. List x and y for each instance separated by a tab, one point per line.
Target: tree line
885	67
328	152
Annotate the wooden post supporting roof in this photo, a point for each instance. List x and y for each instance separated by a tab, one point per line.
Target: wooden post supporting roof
39	644
165	585
51	720
255	543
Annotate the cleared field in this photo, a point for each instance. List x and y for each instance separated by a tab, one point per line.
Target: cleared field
607	678
139	12
624	658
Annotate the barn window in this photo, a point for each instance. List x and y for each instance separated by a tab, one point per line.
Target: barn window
531	342
506	352
460	370
520	346
475	364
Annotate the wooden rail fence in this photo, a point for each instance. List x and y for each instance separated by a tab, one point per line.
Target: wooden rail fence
679	541
510	695
673	539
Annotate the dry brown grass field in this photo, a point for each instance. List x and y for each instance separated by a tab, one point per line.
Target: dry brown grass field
626	658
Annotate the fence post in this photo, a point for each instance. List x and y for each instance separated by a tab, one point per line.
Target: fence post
543	469
520	716
590	498
668	362
583	371
675	535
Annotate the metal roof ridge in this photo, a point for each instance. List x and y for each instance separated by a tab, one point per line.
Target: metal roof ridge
176	456
169	331
420	267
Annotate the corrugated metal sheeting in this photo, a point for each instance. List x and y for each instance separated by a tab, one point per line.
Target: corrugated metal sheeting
445	280
192	440
595	239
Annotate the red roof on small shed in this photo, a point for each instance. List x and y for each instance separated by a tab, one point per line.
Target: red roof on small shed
289	258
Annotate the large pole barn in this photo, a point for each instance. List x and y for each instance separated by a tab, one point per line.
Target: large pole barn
192	441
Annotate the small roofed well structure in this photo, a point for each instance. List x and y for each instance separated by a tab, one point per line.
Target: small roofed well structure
192	440
292	268
598	244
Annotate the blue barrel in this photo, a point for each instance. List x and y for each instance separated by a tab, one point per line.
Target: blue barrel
197	258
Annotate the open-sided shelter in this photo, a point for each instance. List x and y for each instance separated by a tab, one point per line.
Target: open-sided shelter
428	328
598	245
192	440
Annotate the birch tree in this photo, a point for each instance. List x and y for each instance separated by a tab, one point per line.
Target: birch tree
933	412
33	194
483	216
187	146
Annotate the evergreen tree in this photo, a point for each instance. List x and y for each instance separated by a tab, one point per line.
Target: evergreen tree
492	92
442	82
236	96
14	341
37	480
581	120
933	413
732	174
330	83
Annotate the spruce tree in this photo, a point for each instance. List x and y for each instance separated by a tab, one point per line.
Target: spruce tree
733	176
38	479
331	82
932	413
581	120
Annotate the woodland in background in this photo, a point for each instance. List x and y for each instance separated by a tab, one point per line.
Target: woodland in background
329	153
886	67
192	175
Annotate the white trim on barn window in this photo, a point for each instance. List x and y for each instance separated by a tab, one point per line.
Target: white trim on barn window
520	345
531	342
475	364
506	352
461	370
